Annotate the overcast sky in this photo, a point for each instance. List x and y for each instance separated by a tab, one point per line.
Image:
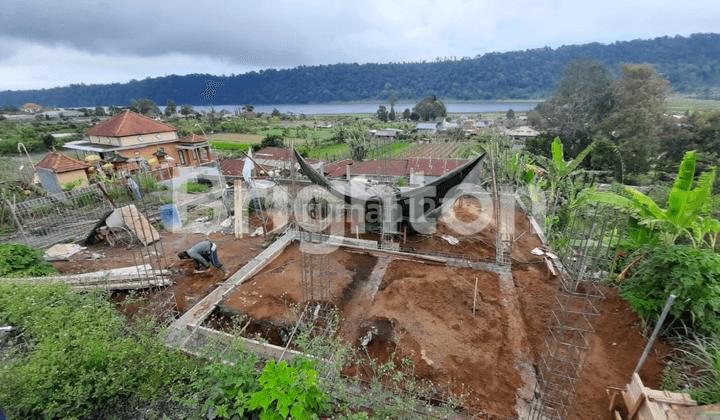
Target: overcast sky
44	44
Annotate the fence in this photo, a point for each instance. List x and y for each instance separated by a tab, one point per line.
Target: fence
59	217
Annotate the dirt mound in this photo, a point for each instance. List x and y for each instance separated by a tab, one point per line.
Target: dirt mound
431	309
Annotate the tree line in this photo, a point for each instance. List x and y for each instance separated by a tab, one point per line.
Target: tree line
624	121
690	64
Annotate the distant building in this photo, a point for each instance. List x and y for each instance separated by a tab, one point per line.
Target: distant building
520	134
31	108
57	168
389	132
427	128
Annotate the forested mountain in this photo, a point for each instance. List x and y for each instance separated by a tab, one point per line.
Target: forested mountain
691	64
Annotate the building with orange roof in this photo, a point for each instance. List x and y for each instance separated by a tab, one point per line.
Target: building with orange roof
139	139
31	108
56	169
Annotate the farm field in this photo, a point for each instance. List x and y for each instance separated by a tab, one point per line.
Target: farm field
438	150
678	106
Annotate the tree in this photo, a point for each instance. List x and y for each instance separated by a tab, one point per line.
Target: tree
392	116
637	120
271	140
392	99
113	110
430	108
248	108
99	111
170	108
510	114
275	112
558	170
406	114
143	106
186	109
382	113
581	101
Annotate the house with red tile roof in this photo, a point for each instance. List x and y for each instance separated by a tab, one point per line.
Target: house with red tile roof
57	168
139	138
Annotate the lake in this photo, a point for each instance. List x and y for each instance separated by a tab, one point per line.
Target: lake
367	108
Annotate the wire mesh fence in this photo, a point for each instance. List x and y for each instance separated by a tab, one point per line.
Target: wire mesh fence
59	217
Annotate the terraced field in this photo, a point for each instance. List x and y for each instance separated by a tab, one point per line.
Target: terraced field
438	150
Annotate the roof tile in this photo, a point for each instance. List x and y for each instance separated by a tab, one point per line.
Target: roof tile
128	123
61	163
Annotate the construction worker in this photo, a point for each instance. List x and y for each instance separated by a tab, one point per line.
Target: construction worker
201	253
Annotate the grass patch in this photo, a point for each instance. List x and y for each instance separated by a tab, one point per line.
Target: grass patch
327	152
236	138
220	145
193	187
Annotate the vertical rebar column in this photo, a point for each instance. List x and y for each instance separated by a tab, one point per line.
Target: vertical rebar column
505	226
574	317
315	277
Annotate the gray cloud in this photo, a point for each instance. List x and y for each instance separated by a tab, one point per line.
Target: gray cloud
70	37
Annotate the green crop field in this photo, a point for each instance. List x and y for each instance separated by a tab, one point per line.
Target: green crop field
680	106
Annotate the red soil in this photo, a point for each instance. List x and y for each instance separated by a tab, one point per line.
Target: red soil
424	311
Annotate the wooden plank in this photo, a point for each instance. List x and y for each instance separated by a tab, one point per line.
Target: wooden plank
636	407
635	390
612	399
670	400
617	415
139	225
145	284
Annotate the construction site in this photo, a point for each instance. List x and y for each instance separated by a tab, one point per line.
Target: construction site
478	302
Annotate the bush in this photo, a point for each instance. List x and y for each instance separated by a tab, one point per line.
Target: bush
22	261
288	391
79	355
690	274
194	187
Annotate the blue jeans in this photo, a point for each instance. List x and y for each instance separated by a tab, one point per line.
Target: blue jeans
212	257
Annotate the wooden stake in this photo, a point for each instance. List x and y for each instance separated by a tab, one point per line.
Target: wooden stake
238	209
475	296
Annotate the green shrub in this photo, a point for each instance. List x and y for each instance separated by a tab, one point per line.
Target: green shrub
288	391
692	275
18	260
67	186
80	355
227	388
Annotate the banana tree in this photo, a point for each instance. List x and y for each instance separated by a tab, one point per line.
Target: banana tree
557	169
685	216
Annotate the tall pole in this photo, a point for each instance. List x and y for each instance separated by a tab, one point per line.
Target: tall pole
655	333
20	145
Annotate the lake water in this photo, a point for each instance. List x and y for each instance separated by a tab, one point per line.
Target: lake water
316	109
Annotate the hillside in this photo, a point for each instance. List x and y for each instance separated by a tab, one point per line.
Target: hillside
692	65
